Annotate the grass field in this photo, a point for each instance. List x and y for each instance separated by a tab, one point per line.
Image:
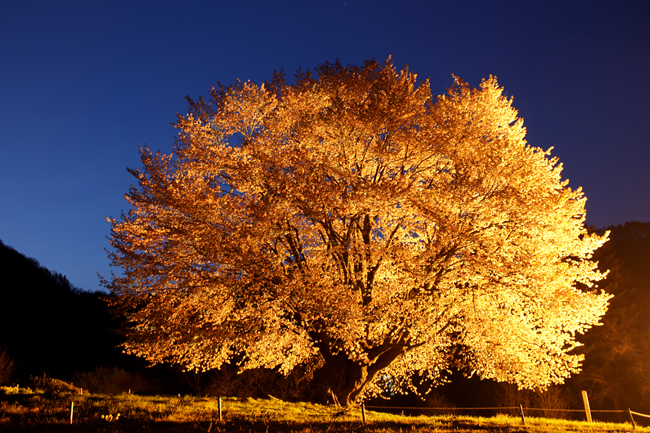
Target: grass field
48	410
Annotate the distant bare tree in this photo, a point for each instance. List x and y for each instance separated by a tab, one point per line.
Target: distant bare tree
7	366
617	368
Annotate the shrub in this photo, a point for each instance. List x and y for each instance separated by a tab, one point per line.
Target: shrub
509	396
437	400
552	402
549	401
260	383
104	380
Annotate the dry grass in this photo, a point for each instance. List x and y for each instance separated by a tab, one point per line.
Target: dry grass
41	410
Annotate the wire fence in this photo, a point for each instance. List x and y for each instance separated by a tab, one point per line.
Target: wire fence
521	409
451	409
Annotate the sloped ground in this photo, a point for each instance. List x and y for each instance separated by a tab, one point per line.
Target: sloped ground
46	408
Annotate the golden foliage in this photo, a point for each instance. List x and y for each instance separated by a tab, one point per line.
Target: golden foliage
352	215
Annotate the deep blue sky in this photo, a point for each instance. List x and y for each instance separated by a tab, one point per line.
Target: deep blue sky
83	84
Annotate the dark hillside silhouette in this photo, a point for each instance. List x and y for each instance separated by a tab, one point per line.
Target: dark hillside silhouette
49	326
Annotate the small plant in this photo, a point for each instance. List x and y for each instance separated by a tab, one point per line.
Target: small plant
11	390
110	417
17	389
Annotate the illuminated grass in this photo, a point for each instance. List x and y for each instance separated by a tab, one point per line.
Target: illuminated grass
30	411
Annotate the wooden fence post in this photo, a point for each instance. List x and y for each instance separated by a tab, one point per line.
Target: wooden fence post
585	400
629	412
219	405
521	411
363	412
71	410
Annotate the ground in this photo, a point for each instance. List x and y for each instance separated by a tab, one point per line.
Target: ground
47	409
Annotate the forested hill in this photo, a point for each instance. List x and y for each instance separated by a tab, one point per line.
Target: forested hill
46	324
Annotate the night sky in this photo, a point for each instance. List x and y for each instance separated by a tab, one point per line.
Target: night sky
83	84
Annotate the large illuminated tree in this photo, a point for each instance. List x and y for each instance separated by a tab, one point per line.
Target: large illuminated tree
354	221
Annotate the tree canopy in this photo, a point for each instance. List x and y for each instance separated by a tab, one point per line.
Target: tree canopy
352	220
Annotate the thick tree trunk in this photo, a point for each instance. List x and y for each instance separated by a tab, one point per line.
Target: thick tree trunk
341	381
338	380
